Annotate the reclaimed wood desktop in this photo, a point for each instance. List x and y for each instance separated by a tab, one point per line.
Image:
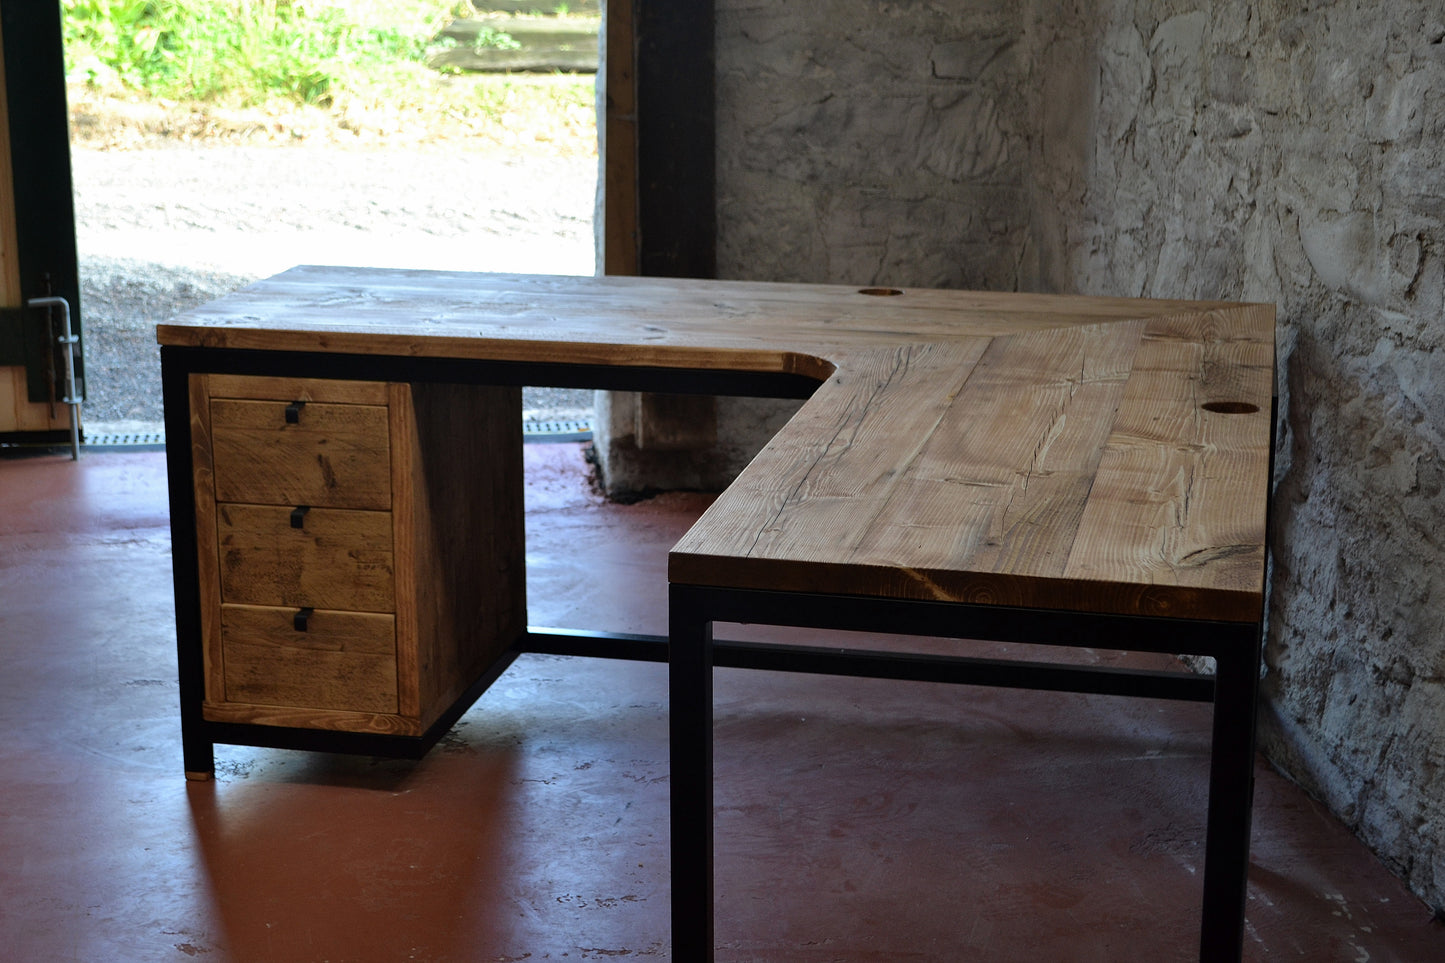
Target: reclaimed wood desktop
1058	470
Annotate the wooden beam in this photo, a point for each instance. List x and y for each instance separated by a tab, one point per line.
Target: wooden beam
619	143
43	205
17	412
676	183
9	261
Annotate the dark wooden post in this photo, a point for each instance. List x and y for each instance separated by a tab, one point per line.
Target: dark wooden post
659	195
37	223
675	94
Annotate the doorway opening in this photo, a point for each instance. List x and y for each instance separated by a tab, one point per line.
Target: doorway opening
437	135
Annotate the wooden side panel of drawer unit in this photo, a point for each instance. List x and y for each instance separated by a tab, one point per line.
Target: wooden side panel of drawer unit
208	562
461	571
338	559
343	660
333	455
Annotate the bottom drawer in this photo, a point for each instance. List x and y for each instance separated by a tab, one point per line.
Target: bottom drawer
343	660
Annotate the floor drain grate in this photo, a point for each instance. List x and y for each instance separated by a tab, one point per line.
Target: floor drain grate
532	431
145	439
576	430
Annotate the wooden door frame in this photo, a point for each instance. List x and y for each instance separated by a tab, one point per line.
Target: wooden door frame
659	141
37	220
659	147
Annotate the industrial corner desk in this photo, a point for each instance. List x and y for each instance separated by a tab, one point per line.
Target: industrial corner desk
345	486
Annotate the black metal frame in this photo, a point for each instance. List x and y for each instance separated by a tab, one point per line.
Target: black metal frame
692	652
1235	646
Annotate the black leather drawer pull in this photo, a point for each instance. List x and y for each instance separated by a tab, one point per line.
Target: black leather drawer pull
298	516
293	412
298	621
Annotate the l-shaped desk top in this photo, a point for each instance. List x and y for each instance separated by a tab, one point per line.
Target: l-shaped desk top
1083	454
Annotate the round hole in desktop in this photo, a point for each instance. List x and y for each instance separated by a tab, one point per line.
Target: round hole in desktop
1230	407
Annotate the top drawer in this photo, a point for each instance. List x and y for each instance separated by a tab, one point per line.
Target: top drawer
316	453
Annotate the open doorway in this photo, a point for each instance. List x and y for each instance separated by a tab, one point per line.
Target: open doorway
460	154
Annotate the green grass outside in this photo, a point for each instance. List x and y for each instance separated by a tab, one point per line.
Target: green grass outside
347	57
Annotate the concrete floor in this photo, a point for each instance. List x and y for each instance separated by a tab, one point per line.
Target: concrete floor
858	820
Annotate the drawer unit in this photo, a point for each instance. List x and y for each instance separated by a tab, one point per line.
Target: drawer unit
329	597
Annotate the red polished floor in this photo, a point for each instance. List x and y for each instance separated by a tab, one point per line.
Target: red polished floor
858	820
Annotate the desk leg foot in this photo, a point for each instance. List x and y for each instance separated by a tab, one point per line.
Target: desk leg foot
1231	799
198	755
690	751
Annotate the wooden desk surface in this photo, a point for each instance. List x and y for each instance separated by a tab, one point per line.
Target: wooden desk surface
1087	454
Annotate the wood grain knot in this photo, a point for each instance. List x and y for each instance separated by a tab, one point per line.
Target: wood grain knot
1230	407
880	292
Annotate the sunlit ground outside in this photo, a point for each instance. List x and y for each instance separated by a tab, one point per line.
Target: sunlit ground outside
225	141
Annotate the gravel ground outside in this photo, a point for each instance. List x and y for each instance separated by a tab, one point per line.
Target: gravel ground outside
167	228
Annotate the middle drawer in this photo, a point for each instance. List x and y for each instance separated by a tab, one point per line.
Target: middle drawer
336	559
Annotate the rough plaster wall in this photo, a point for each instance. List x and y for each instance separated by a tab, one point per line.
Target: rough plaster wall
859	142
1155	147
867	142
1255	151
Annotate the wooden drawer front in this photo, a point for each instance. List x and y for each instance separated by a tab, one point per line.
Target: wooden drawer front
344	660
334	455
338	559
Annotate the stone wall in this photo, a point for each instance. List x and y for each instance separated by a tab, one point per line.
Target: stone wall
1259	151
871	142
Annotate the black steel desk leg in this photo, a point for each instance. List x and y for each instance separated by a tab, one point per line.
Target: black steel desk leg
690	749
1231	797
197	749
